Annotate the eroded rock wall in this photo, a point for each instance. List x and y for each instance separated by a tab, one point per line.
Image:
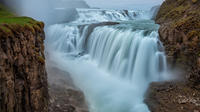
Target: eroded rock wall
23	78
180	34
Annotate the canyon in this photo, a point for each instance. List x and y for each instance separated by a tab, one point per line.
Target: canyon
25	86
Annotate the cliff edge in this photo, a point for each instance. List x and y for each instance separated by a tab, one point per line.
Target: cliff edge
180	34
23	79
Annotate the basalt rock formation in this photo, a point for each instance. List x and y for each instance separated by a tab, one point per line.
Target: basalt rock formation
180	34
23	78
64	96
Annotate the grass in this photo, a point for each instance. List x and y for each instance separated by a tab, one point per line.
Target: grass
10	23
9	20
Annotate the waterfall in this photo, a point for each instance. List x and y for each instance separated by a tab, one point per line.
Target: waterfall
111	63
102	15
128	54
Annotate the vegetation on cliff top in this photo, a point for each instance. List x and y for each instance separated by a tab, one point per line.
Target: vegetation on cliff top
183	15
9	21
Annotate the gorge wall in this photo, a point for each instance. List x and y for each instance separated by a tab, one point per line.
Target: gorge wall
180	34
23	78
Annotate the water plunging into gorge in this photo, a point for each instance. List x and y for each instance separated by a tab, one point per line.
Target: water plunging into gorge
111	55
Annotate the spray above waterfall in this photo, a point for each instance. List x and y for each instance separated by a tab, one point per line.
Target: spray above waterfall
111	62
103	15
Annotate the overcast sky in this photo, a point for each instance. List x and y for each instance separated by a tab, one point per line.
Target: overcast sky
124	4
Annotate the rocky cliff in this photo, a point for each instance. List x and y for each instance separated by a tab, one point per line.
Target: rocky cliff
23	79
180	34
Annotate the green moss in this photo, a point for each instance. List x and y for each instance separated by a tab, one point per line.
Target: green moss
16	20
5	29
176	12
41	59
25	22
173	10
182	15
9	20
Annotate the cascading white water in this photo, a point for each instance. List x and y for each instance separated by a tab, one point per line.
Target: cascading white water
111	64
128	54
102	15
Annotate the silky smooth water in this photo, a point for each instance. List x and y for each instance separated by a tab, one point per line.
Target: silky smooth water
112	64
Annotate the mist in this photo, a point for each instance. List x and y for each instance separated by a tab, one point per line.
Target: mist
48	11
100	88
59	11
124	4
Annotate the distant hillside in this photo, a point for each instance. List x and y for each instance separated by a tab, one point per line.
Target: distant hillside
49	11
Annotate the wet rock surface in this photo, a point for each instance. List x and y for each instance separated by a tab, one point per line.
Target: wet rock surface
179	32
64	96
173	97
23	78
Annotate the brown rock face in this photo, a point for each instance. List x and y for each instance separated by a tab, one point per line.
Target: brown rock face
64	96
173	97
180	34
23	79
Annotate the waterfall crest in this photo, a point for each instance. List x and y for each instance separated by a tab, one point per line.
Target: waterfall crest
103	15
112	63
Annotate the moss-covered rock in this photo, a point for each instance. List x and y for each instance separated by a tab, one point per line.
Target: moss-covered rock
180	25
180	33
23	78
9	20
